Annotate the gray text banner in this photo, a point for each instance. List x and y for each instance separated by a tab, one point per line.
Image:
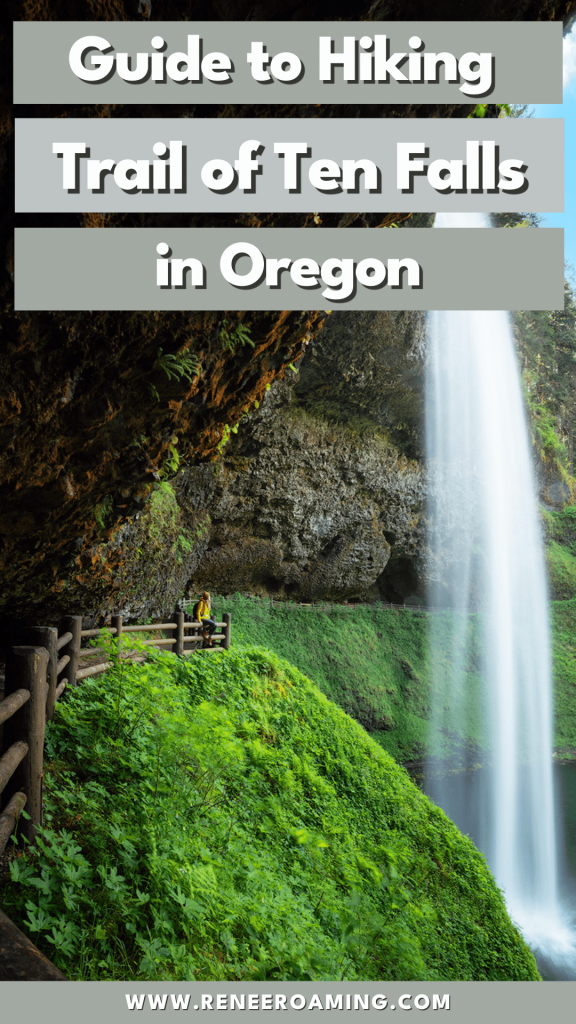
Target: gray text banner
184	179
525	65
233	268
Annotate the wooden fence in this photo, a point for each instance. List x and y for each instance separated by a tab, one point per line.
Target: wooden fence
77	660
23	724
36	677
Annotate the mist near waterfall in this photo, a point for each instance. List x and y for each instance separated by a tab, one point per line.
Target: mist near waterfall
490	648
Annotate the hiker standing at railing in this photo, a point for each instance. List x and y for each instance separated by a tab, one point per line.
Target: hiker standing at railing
202	613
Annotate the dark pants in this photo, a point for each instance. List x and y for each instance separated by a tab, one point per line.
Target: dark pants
209	626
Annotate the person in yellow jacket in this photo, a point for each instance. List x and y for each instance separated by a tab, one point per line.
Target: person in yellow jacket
203	614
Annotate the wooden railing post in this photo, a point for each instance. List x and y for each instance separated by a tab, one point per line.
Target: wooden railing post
72	624
19	958
28	672
227	619
179	618
47	637
116	623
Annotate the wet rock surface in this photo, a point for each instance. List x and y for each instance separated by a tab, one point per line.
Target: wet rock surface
316	496
90	422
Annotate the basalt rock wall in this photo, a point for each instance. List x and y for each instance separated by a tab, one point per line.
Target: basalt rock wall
98	410
320	493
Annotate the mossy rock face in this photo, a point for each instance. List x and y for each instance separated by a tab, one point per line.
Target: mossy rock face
560	527
91	422
564	664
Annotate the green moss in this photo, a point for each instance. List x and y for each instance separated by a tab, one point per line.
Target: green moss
552	447
564	663
561	526
561	571
162	511
328	418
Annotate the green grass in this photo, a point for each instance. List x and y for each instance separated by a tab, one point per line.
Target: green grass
219	818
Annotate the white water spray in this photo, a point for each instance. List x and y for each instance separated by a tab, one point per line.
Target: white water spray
487	553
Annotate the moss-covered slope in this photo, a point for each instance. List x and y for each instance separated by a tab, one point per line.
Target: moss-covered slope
221	818
375	664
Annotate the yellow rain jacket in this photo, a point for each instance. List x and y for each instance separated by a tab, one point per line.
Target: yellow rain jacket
203	610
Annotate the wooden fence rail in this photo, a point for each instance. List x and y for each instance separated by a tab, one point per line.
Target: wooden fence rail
24	724
36	677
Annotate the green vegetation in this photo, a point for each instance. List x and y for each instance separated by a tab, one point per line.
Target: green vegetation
505	110
373	663
564	662
547	351
561	527
219	818
561	572
184	365
102	512
225	438
162	512
162	540
332	422
561	549
235	336
552	448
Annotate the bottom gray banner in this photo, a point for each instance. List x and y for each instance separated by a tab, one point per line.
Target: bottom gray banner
117	1002
288	268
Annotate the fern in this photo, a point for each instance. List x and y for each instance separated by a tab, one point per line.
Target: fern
234	337
182	366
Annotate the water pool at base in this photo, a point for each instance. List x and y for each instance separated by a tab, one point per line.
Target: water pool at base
465	799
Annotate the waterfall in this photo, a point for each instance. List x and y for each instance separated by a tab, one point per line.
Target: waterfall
491	670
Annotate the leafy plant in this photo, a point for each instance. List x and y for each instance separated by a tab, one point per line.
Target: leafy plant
162	510
180	366
480	110
225	437
218	818
102	511
172	461
235	336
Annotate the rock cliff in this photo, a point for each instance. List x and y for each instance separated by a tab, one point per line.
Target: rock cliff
320	493
98	411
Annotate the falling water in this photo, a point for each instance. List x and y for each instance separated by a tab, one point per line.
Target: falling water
492	670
